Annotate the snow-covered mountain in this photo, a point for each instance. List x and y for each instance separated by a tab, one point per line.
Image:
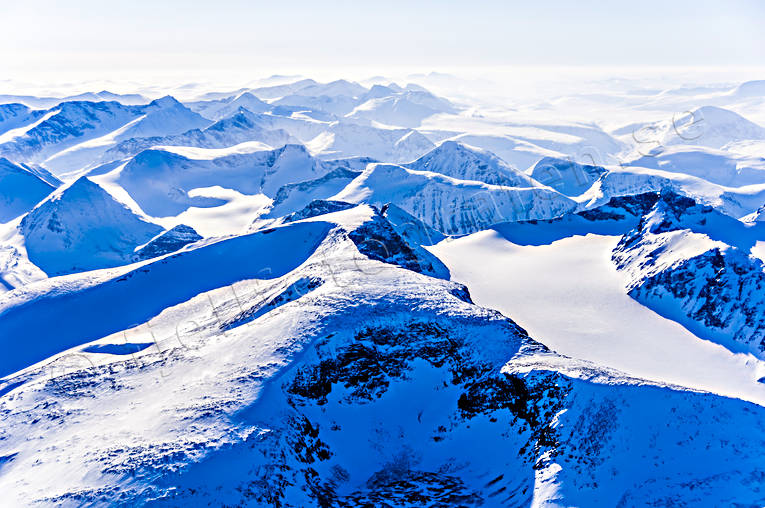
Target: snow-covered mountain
389	386
716	166
160	180
406	109
36	102
298	293
345	139
467	163
15	116
70	123
165	116
82	227
566	176
21	188
238	128
630	180
707	126
222	108
692	263
450	205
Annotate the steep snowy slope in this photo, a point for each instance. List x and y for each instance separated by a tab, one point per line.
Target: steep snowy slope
324	378
82	227
166	242
467	163
450	205
21	188
692	264
292	197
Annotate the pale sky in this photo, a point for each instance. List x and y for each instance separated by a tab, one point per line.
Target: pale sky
110	37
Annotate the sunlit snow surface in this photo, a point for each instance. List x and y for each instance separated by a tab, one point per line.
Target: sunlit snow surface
569	295
420	290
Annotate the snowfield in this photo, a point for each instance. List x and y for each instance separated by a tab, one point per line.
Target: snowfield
297	293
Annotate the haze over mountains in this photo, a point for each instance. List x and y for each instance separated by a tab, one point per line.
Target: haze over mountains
348	293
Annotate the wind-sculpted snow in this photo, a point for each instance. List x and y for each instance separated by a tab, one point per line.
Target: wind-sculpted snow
691	263
343	381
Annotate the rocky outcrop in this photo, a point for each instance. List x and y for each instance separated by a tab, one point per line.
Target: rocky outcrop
678	261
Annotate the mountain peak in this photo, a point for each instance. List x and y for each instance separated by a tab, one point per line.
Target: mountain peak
464	162
83	228
168	101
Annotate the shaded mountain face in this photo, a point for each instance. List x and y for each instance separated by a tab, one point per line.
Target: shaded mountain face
14	116
167	242
63	234
21	188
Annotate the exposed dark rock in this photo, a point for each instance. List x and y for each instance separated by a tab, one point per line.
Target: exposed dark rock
169	241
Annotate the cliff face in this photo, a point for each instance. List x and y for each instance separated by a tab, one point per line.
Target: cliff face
682	261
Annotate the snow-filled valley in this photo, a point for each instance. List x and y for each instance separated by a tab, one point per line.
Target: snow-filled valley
384	292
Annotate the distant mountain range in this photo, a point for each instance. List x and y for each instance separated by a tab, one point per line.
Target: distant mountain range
335	295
